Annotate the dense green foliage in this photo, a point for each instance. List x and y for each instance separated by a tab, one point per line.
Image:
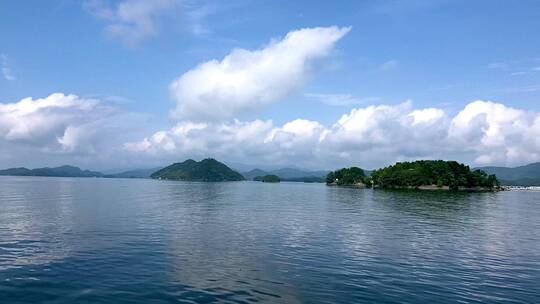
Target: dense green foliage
432	172
207	170
346	176
270	178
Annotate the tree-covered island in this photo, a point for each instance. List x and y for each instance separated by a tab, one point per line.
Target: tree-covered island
206	170
352	176
422	174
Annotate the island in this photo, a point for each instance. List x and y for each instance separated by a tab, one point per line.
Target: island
206	170
352	176
270	178
434	175
421	174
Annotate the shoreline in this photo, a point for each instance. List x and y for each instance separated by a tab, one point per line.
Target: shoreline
424	188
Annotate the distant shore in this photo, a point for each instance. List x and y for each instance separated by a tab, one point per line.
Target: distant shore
520	188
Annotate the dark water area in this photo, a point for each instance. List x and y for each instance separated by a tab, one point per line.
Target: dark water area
84	240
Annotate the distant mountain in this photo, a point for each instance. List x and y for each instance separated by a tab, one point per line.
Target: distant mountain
207	170
137	173
528	175
250	175
526	182
289	174
16	172
63	171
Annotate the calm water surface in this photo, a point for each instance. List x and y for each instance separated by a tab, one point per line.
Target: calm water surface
142	241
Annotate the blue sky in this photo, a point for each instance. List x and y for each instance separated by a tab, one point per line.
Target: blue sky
435	54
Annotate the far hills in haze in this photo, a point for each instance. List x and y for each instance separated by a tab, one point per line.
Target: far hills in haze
62	171
289	174
528	175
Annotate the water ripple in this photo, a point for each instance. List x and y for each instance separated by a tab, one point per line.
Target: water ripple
141	241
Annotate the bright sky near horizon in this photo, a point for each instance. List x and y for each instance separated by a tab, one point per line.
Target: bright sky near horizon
314	84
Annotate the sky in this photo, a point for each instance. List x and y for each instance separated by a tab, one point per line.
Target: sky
313	84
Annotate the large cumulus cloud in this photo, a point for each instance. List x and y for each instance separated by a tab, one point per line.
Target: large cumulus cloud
62	129
57	122
247	80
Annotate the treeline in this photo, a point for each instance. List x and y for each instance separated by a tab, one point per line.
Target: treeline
432	172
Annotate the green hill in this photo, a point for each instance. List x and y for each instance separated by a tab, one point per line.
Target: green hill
207	170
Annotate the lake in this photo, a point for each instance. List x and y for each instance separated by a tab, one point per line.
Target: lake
91	240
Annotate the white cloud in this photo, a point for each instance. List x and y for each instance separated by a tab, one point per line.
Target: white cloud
31	119
6	70
64	124
483	132
131	21
245	80
76	129
426	116
340	99
497	133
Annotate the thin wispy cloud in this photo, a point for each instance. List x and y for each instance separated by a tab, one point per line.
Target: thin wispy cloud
520	73
197	16
389	65
497	65
340	99
6	70
132	21
516	67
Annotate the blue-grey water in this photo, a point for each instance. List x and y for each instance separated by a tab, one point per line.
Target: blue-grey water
84	240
